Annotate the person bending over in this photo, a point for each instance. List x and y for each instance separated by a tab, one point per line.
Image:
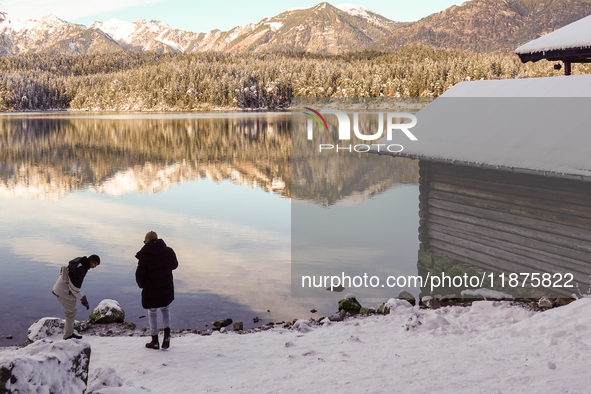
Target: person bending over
67	289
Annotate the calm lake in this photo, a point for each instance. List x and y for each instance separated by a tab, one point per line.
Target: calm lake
215	187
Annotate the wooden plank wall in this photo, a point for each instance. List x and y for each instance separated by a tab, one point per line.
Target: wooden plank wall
501	221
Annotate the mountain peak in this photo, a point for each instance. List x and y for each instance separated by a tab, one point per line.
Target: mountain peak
152	22
297	9
53	20
353	9
116	29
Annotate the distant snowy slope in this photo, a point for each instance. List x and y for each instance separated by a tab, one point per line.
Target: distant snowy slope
117	29
366	14
321	28
51	33
147	35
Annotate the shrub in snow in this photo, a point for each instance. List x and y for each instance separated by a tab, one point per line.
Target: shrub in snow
46	367
107	311
51	326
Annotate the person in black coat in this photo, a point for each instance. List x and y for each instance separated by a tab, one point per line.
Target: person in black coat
156	261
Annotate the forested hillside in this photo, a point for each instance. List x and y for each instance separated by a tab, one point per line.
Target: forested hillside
140	81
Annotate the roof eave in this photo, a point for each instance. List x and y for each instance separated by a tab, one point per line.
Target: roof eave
551	174
572	55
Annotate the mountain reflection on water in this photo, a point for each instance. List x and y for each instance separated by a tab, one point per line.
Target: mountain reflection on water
75	184
49	157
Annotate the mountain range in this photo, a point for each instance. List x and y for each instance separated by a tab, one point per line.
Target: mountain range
477	25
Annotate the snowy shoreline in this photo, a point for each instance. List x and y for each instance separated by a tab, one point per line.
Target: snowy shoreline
491	346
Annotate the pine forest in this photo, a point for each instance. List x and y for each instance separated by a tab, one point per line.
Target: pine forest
153	81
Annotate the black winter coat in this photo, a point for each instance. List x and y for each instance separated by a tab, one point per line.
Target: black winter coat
77	269
154	274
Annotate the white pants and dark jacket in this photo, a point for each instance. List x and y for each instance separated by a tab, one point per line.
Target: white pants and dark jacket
153	319
67	291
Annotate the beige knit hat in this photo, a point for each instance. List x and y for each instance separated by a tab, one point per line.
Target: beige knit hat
150	236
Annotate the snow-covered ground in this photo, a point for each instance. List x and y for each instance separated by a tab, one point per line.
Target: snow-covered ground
490	347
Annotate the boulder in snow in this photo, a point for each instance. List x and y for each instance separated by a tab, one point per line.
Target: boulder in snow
383	309
563	301
46	367
51	326
393	304
545	303
405	295
218	324
487	294
339	317
430	302
349	304
302	326
107	311
367	311
101	378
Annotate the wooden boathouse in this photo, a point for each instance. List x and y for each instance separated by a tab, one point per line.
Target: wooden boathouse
505	222
505	183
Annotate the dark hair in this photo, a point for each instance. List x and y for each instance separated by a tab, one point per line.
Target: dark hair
95	258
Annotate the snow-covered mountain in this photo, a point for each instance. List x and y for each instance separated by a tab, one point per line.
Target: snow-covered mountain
477	25
51	34
147	35
322	28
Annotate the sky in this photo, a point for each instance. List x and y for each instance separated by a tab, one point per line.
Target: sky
199	15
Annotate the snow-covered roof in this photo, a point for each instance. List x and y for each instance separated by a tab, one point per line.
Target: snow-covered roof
539	125
570	40
562	86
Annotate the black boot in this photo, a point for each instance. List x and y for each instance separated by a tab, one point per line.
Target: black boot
166	340
154	344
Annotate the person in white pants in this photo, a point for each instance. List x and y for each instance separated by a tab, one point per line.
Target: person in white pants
156	261
67	289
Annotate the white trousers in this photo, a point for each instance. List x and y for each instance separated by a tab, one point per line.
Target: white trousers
153	318
70	311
